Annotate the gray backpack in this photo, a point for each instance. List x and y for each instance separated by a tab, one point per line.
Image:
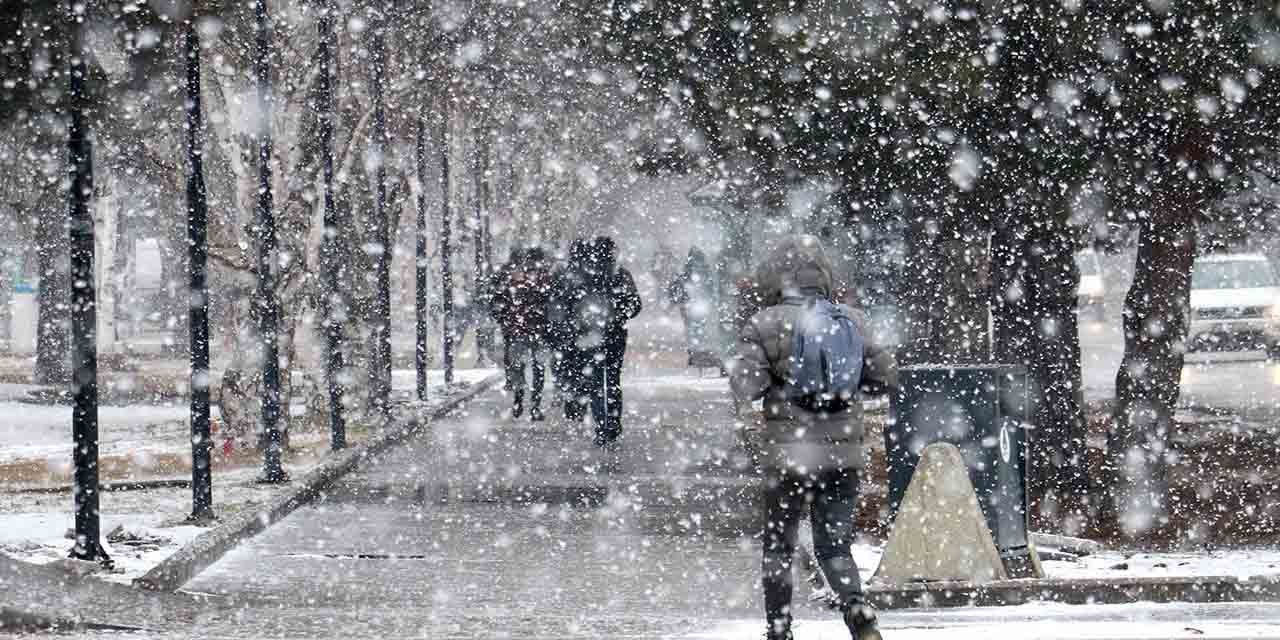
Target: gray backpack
826	358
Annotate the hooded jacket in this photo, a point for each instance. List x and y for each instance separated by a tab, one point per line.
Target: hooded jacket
791	437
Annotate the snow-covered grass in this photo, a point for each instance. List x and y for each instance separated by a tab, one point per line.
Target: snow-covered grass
140	528
39	431
1240	563
148	523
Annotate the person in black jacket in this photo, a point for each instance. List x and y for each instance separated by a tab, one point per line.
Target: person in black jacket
623	302
567	358
496	282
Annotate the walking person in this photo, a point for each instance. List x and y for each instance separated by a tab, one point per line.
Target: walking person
624	304
810	361
521	302
496	281
694	291
567	358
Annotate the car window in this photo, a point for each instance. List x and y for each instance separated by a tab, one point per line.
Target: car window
1232	274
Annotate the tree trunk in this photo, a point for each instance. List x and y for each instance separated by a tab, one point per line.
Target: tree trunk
268	261
446	267
53	346
1149	379
198	289
421	261
380	361
1058	463
944	295
332	308
1035	325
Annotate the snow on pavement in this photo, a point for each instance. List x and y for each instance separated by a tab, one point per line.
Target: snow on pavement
1037	621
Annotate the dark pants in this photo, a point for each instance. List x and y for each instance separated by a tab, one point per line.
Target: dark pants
520	351
606	388
829	498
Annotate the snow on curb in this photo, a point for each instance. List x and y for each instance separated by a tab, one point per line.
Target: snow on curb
194	557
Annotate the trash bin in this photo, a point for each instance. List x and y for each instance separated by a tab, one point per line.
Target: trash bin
981	409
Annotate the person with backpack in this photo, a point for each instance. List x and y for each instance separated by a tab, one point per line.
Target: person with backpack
810	361
521	303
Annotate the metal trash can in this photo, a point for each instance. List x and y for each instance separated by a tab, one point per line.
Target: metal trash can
982	410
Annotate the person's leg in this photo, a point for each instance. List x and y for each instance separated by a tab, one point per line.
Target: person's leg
596	378
506	358
515	376
784	502
835	499
614	356
537	356
576	393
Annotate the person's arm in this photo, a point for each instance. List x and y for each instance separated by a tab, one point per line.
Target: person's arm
628	295
750	375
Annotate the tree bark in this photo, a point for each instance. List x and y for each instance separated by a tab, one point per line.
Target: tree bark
1035	325
944	294
380	362
268	260
1150	375
1058	463
331	299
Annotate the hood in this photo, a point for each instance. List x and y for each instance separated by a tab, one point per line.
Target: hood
799	265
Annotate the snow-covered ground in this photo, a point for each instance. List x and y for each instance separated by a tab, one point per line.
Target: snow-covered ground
30	431
1239	563
139	528
1036	621
43	432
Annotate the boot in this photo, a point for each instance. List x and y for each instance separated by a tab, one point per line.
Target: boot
535	414
860	618
517	408
779	629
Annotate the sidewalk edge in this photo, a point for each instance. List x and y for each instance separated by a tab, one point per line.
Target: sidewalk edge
1260	588
176	570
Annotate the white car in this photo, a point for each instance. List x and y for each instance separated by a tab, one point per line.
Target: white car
1235	303
1091	293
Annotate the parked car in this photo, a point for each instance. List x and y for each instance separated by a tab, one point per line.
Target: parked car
1091	293
1235	304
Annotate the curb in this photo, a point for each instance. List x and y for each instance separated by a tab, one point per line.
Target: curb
197	555
1201	589
105	487
14	620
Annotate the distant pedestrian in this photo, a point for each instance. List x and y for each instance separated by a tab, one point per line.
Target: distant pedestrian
521	304
496	281
624	304
696	292
567	358
810	362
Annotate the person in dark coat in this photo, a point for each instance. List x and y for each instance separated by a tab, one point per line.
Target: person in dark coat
622	300
497	278
811	461
567	359
521	302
